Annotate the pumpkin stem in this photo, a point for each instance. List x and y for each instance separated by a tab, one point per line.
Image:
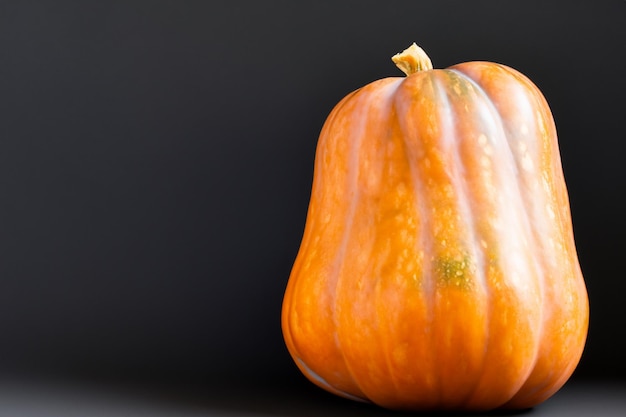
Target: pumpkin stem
413	59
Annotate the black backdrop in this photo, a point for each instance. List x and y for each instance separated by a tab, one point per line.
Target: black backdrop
156	161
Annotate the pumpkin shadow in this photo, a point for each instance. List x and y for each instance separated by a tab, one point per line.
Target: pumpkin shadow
280	400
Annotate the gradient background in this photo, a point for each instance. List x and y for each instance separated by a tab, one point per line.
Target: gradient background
156	161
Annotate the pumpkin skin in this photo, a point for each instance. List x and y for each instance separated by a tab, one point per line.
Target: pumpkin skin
438	269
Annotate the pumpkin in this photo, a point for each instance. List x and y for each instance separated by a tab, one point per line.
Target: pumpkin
437	269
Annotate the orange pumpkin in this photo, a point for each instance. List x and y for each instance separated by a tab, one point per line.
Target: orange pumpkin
437	269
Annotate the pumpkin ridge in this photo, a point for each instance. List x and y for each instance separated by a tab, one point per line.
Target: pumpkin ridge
411	135
465	201
530	94
318	201
356	138
378	298
481	261
525	227
391	118
309	227
526	204
554	196
373	280
367	97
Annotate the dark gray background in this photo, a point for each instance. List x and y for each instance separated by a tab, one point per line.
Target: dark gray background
156	162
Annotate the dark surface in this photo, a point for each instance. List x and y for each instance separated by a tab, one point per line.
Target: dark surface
53	398
156	162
